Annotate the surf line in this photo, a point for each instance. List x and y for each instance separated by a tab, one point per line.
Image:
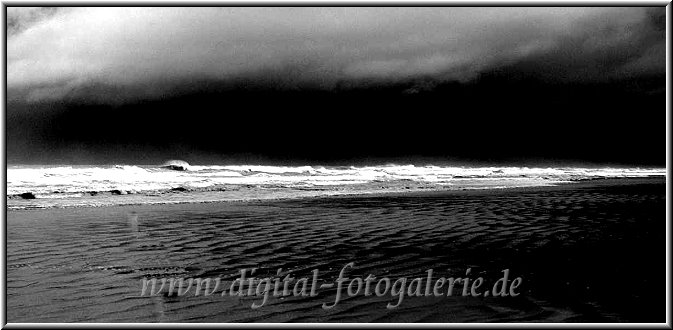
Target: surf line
286	286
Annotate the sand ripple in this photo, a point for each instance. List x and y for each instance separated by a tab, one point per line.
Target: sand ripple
572	246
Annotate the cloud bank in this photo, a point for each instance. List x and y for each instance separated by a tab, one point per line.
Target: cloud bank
142	52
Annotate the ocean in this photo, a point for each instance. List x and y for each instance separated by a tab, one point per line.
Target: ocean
49	186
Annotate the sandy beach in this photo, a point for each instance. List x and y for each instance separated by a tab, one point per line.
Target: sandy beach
587	252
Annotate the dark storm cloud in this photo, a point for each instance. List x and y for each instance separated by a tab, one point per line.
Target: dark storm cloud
125	53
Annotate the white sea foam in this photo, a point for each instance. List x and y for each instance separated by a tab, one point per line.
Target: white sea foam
73	183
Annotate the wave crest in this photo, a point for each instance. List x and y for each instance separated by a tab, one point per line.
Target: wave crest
71	182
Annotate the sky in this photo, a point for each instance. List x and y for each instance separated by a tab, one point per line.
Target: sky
336	85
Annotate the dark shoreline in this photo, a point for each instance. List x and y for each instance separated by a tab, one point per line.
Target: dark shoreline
564	186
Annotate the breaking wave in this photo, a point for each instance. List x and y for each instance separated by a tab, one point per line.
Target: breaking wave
54	186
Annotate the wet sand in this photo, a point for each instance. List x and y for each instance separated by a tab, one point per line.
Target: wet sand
587	252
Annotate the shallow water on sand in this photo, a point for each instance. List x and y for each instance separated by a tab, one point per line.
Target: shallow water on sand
584	254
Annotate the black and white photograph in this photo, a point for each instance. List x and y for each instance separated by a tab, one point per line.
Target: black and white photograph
339	163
